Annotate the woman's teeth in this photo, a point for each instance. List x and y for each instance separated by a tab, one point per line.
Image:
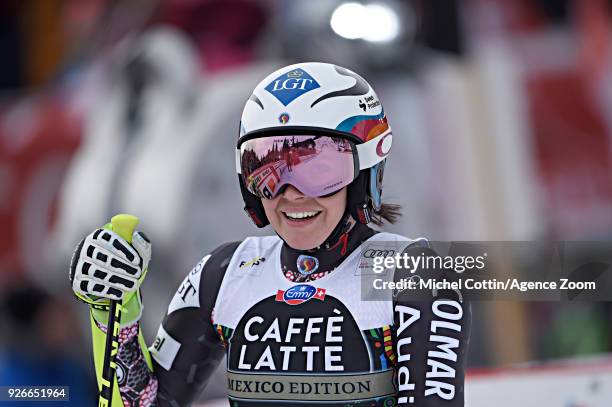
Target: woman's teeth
301	215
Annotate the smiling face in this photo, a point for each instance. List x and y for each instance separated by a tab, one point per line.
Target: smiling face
304	222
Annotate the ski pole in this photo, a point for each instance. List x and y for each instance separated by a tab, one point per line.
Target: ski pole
124	226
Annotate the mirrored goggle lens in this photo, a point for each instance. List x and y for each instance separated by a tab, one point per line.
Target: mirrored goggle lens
316	165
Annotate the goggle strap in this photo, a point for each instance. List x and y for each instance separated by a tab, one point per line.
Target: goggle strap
374	151
238	167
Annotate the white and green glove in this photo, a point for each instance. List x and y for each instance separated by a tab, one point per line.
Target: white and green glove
105	266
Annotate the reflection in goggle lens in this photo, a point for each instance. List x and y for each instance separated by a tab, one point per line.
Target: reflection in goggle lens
316	165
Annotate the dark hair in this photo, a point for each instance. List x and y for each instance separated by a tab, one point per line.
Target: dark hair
387	212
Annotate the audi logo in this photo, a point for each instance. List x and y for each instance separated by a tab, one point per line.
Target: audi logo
371	253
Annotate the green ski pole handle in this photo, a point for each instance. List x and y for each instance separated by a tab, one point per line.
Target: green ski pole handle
124	226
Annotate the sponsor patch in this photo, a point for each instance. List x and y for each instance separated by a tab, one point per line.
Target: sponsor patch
342	389
291	85
164	349
299	294
187	295
251	263
120	373
362	105
371	103
284	118
307	265
384	145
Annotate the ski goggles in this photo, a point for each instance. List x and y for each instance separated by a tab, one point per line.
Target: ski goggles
317	165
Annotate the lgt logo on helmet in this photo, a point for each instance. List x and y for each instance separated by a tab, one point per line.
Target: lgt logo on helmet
299	294
287	87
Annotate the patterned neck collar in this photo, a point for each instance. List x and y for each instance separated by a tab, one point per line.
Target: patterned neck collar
308	265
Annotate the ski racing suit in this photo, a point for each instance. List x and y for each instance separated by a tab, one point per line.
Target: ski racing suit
296	333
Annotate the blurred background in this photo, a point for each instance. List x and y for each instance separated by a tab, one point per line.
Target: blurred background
502	112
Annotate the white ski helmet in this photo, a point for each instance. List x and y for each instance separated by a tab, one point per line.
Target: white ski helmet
325	99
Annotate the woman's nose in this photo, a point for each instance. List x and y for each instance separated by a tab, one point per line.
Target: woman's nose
292	193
